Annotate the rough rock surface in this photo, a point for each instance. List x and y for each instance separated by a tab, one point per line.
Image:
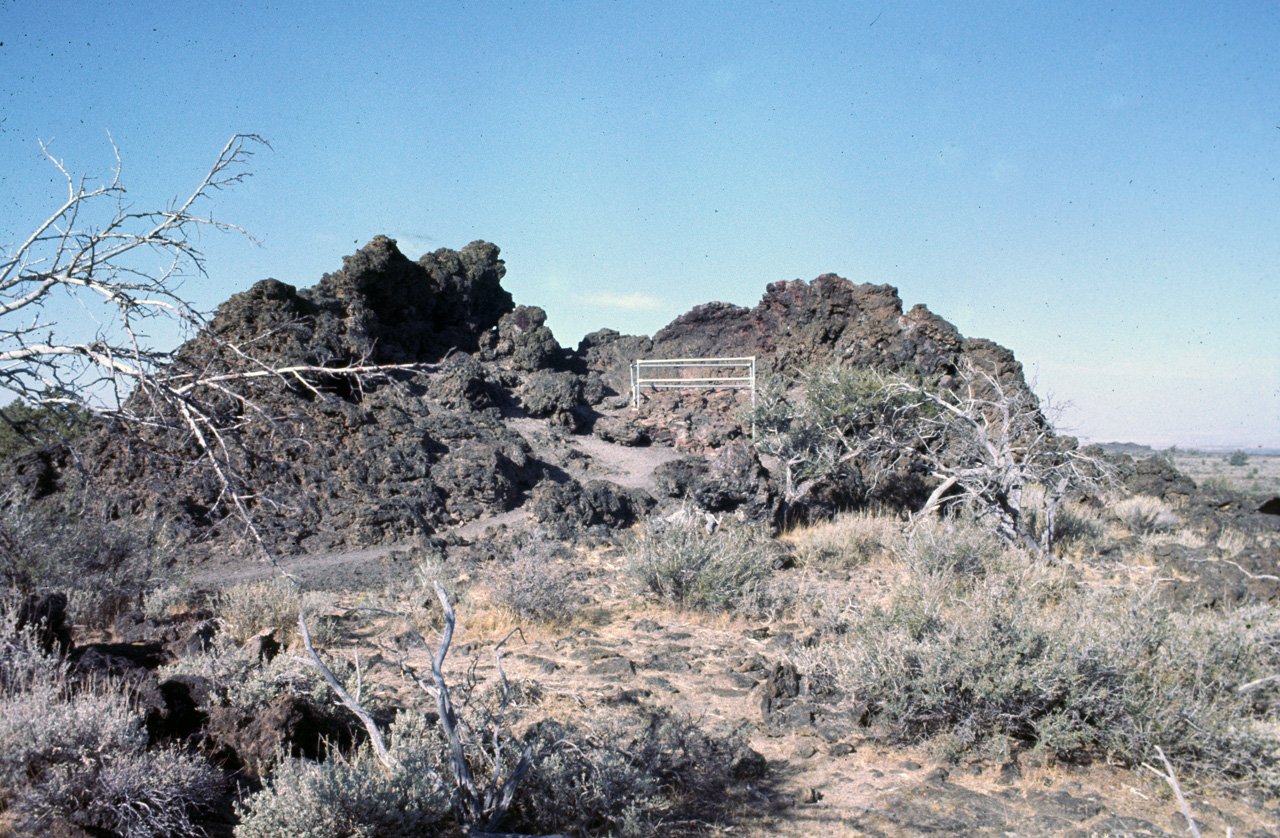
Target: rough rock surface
1153	476
380	307
731	481
522	341
331	460
798	324
565	508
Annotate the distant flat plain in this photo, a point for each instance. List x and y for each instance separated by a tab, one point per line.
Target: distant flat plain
1257	474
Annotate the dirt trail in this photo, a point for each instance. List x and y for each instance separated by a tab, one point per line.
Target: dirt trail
586	457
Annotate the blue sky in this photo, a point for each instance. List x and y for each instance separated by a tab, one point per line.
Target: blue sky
1094	186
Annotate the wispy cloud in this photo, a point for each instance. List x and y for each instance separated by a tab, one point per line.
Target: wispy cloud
629	302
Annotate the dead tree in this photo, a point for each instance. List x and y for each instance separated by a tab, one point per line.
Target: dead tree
986	442
989	444
480	802
119	268
98	253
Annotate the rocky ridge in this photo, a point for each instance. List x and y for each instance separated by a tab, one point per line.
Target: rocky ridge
416	452
501	431
496	417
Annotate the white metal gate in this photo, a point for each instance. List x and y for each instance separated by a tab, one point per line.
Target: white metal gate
643	375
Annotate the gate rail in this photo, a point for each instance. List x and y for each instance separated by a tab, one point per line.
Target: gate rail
745	381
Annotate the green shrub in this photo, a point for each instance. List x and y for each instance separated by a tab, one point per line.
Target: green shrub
1077	525
633	775
240	680
167	599
340	797
1028	658
1238	458
685	565
132	794
30	427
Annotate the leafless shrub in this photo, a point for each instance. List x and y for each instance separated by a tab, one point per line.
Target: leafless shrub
534	586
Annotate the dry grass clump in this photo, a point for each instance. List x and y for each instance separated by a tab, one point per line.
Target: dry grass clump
1232	542
723	570
251	607
1145	515
948	545
847	540
1178	538
1078	527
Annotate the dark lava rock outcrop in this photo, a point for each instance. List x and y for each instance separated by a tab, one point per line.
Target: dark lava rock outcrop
380	308
325	459
800	324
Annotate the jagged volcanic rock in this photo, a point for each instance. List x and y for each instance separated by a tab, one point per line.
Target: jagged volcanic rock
328	460
380	308
331	460
800	324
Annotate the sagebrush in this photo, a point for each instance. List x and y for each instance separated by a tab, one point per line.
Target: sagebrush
1029	657
76	752
721	570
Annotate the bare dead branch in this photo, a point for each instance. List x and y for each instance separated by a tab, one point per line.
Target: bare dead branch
1171	778
371	727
